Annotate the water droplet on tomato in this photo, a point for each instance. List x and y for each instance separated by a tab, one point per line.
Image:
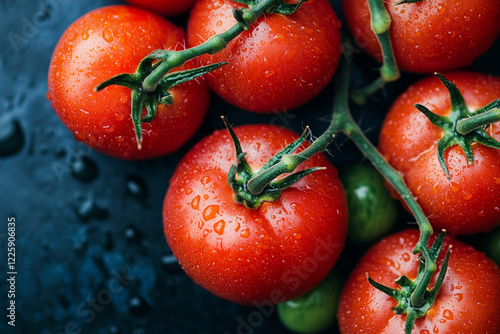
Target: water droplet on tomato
107	36
467	195
85	36
206	232
459	297
189	191
245	233
297	235
195	203
210	212
219	227
406	257
447	314
201	223
205	180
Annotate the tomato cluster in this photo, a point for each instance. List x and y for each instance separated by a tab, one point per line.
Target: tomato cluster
280	249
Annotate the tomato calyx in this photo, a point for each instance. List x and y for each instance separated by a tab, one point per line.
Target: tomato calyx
462	127
150	100
411	301
241	173
246	17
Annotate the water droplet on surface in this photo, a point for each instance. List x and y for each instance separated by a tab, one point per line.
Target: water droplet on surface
138	306
132	234
136	186
170	263
83	168
89	209
447	314
11	136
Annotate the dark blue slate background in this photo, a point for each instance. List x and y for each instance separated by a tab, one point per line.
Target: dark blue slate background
91	255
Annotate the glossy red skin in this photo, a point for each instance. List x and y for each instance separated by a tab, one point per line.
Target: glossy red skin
467	301
164	7
470	201
431	35
101	44
267	255
279	64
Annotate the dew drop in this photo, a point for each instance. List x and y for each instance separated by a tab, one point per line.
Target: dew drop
210	212
205	180
136	186
219	227
195	203
85	36
467	195
459	297
447	314
406	257
83	168
245	233
88	209
107	36
11	136
201	223
206	232
189	191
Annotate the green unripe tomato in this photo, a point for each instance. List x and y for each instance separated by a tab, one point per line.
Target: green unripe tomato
372	210
492	245
314	311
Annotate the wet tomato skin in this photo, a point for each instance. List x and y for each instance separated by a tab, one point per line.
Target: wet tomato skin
469	202
101	44
280	63
466	303
270	254
164	7
431	35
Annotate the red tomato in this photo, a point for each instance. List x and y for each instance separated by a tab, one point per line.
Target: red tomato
268	255
466	303
101	44
470	201
164	7
431	35
279	64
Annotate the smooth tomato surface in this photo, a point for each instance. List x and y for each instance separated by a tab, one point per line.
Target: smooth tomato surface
99	45
279	64
467	301
164	7
431	35
470	201
268	255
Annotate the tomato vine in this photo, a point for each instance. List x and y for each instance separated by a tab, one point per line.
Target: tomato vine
149	88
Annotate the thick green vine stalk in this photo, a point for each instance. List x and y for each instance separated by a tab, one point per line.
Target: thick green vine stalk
152	79
380	24
414	298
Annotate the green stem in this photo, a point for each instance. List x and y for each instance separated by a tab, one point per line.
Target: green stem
380	24
467	125
343	122
211	46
